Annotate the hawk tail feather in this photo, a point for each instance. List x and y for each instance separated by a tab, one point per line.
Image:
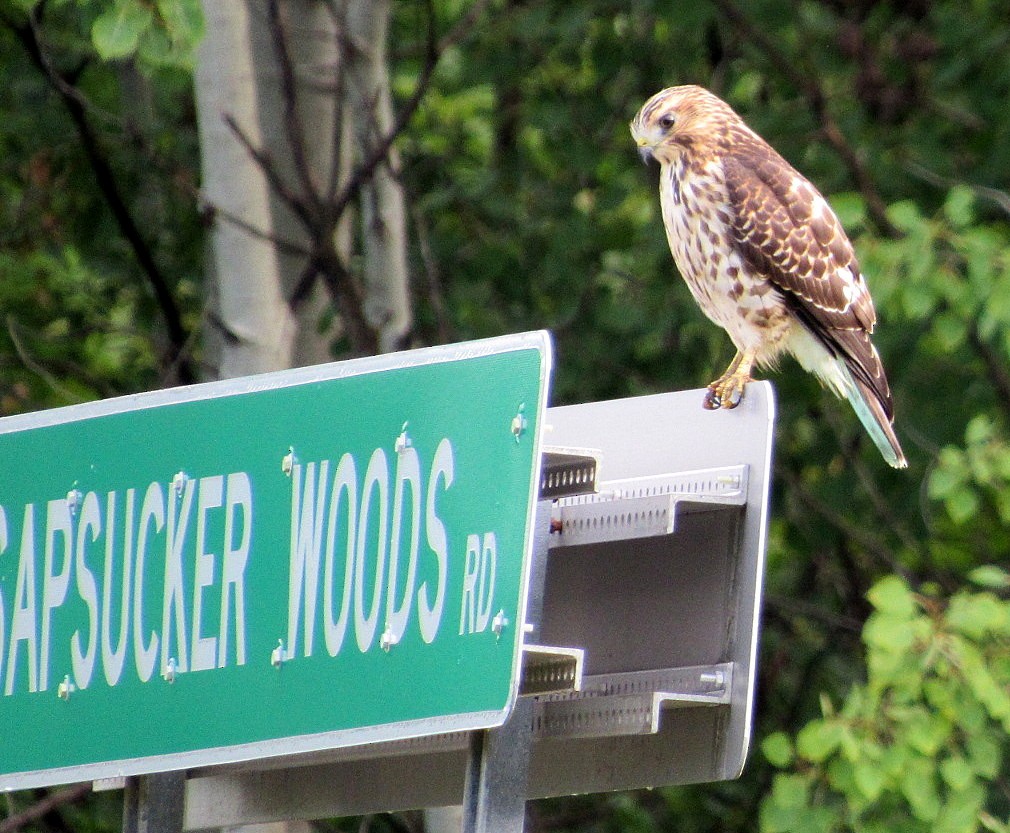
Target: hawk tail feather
871	413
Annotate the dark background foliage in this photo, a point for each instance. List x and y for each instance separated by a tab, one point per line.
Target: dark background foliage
529	209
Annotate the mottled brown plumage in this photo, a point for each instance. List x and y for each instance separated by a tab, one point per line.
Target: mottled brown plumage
764	255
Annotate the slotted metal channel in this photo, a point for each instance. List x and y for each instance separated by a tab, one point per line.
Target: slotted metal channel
645	507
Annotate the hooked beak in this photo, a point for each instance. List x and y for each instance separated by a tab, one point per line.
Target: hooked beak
646	153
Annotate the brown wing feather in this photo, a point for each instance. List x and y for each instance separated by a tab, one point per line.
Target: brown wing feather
803	250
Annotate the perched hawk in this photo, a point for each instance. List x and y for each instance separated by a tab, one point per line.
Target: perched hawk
764	256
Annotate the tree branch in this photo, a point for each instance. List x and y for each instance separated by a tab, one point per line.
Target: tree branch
995	364
41	808
435	295
861	535
26	359
999	197
30	38
812	91
212	212
266	163
380	151
292	119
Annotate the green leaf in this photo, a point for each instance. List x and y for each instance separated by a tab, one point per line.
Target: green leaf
818	739
184	21
950	330
850	208
962	504
918	785
927	731
959	813
978	614
791	790
117	31
959	206
957	772
778	749
891	595
905	215
870	779
888	633
989	575
985	754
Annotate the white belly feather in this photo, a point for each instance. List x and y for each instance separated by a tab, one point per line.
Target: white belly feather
744	304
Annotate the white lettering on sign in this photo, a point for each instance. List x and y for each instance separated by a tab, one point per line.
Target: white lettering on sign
23	619
106	607
143	580
478	583
88	528
345	492
371	552
430	615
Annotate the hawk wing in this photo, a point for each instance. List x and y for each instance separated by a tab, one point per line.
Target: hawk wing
785	231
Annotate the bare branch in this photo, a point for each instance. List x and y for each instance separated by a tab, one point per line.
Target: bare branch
857	533
995	364
349	297
33	366
41	808
812	91
380	152
266	163
339	16
434	294
284	245
292	119
31	41
999	197
463	26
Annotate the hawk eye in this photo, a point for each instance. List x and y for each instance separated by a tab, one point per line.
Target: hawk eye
666	122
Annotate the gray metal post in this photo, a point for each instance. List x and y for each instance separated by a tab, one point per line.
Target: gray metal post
154	803
494	795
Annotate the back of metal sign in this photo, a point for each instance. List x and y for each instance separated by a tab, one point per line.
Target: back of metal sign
657	578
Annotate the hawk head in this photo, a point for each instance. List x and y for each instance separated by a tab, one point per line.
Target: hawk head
679	118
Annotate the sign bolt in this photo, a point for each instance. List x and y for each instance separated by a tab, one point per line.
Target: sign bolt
74	498
388	639
65	689
499	623
716	678
519	422
279	655
402	441
179	482
288	461
168	675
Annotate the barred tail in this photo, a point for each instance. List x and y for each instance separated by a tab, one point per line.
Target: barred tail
875	420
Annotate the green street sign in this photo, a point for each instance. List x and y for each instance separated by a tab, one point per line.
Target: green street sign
304	560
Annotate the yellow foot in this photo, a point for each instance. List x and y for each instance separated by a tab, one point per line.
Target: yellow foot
726	391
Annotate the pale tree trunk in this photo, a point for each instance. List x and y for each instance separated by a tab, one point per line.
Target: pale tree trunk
314	50
383	215
338	58
252	329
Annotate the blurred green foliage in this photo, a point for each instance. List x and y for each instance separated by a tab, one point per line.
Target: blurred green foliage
884	677
916	746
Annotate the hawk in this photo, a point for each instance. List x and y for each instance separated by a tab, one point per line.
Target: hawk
764	256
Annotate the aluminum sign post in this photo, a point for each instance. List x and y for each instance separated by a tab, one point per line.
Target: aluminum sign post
497	776
320	558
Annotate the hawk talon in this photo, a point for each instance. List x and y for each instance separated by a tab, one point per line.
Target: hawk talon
726	392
